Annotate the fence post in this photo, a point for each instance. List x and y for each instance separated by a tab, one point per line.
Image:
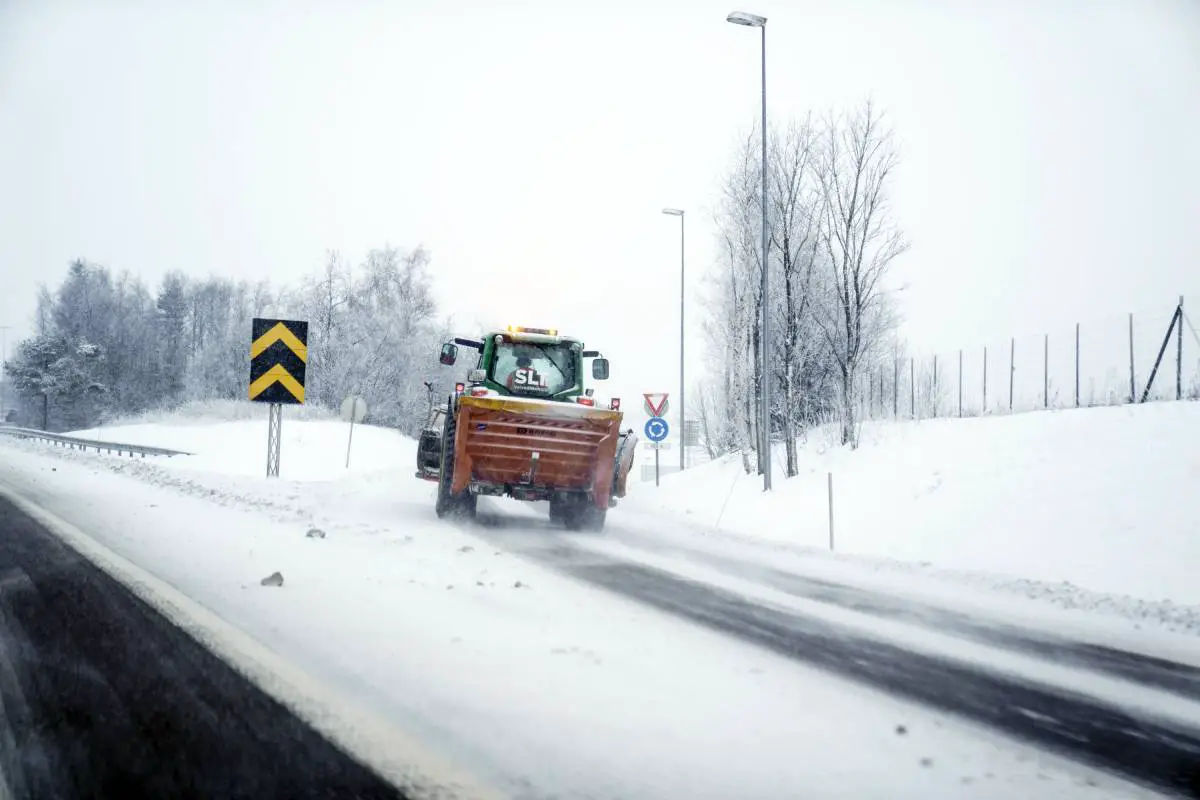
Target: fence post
960	382
1012	368
1179	353
912	386
985	379
1077	365
1046	372
1132	382
829	477
1176	319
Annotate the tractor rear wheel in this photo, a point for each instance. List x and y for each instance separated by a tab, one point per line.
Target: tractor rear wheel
449	504
583	515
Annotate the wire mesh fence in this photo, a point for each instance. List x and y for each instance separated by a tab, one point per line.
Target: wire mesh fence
1147	355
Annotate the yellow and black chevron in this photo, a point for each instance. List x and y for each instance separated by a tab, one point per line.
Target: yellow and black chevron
278	355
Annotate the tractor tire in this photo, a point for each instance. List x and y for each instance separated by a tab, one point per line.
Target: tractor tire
448	504
585	516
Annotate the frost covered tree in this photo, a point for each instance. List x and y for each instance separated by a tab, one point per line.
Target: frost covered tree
732	326
172	318
861	241
59	379
372	332
106	345
796	205
827	185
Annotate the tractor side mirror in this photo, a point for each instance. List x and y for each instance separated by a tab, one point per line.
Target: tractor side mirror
449	354
600	369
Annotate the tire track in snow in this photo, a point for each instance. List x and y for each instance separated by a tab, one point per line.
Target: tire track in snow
1154	753
1142	668
1139	667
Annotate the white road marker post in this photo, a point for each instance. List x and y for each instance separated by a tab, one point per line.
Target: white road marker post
354	409
829	477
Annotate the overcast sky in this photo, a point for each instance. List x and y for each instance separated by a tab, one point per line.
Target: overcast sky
1050	149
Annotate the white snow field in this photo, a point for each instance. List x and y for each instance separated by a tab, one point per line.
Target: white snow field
313	447
541	686
1063	503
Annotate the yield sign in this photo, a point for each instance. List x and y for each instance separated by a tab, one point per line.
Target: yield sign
656	403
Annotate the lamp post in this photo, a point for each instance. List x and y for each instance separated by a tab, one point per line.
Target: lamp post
755	21
3	372
678	212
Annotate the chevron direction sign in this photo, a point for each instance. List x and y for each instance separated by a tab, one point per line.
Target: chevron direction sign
278	354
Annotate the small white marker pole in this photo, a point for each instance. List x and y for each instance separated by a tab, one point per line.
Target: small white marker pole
829	477
348	441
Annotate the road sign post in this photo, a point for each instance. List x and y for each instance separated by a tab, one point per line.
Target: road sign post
278	355
354	408
656	431
274	435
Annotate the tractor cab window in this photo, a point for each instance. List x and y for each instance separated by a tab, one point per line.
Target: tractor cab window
534	369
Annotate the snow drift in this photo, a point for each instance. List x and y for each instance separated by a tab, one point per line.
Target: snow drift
1099	498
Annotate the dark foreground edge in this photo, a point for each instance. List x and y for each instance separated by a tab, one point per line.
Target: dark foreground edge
102	697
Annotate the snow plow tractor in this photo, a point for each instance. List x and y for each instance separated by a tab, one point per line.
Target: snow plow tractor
522	425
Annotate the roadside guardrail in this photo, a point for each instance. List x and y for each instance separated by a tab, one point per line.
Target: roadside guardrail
77	443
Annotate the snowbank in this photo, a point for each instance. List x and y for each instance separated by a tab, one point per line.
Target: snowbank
1100	498
208	411
230	438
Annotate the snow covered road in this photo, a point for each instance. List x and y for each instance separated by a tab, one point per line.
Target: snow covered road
1140	746
531	673
1151	670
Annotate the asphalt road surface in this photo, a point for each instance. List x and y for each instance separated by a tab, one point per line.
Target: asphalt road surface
102	697
1183	679
1152	752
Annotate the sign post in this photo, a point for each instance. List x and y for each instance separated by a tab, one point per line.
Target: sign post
354	408
278	356
274	436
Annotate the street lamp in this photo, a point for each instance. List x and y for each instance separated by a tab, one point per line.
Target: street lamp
755	21
678	212
3	371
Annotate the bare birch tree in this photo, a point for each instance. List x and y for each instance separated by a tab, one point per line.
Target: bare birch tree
738	303
861	241
796	208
